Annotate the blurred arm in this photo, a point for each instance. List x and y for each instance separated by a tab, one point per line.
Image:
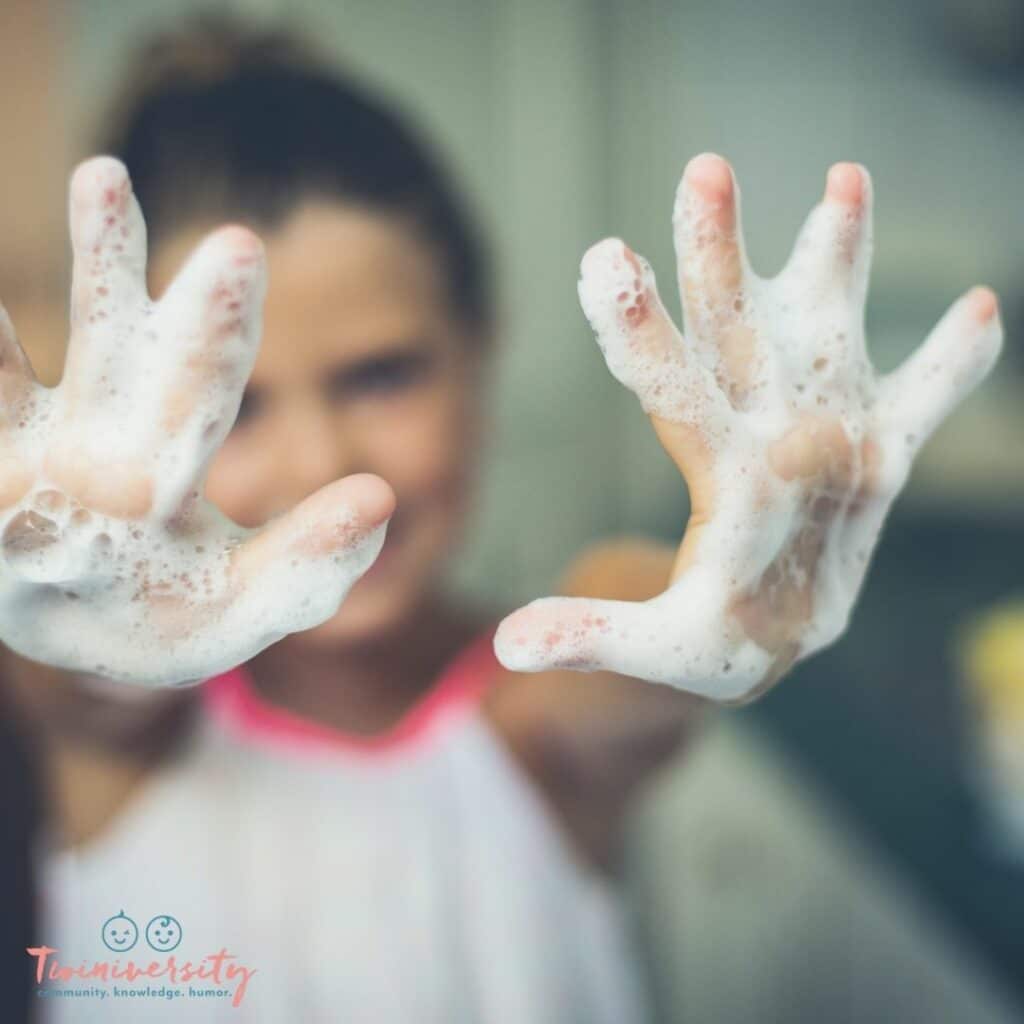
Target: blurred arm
589	741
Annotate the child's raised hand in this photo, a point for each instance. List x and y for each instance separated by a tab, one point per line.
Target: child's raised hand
792	447
112	560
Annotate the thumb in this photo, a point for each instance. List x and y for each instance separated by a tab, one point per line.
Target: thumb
346	521
564	632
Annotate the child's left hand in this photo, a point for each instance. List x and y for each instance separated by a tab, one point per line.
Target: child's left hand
792	447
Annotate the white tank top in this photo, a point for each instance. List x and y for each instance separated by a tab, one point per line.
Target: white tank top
414	877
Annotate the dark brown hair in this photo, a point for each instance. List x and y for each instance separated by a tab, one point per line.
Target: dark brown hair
219	120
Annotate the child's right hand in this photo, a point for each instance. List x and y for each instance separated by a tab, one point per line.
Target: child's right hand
113	562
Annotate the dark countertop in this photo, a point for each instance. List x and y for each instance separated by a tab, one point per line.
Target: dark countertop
880	721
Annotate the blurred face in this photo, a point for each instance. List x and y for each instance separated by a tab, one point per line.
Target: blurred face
363	367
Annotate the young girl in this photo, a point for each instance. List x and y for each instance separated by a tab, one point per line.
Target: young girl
373	818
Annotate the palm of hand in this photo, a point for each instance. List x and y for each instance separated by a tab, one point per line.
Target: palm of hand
792	447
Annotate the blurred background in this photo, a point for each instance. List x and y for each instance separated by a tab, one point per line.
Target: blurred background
568	122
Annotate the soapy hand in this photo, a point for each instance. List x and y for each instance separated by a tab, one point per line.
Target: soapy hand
111	560
792	447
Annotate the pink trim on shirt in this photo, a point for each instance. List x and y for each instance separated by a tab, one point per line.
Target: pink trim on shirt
233	700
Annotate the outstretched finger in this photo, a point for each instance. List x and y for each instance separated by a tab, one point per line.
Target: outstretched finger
714	279
210	317
709	247
957	355
16	374
640	343
17	384
832	254
108	240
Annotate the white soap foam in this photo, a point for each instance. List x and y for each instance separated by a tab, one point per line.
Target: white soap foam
113	563
771	372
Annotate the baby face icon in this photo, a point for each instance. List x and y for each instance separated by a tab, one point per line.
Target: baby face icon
119	932
163	933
